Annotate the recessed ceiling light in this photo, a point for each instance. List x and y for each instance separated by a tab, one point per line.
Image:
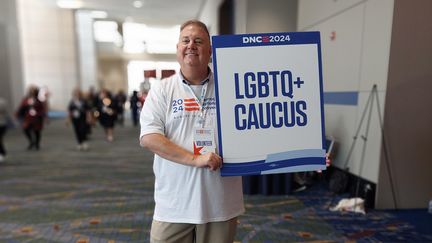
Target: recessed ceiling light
137	4
70	4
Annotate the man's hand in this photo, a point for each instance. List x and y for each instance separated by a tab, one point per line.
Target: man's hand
328	160
210	160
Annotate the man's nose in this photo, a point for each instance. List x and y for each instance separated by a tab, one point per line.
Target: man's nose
191	45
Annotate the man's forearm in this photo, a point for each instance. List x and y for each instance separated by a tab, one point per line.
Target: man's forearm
166	149
163	147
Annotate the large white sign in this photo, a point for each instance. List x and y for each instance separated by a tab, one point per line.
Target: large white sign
269	102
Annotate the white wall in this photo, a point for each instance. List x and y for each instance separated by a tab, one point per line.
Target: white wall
271	16
240	16
112	74
48	49
312	12
355	59
256	16
210	16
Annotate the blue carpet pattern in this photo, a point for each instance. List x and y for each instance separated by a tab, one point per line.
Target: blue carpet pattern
374	226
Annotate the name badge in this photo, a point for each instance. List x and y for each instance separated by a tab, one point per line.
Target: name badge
204	140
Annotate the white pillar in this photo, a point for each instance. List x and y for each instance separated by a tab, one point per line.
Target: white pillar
86	50
11	80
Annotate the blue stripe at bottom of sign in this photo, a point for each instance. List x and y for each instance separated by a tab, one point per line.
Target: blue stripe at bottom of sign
295	169
295	154
282	166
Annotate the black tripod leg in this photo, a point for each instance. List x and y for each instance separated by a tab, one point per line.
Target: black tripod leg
365	137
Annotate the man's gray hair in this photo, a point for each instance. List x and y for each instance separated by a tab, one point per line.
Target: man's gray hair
197	23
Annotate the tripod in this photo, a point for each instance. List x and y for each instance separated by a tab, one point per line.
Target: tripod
373	95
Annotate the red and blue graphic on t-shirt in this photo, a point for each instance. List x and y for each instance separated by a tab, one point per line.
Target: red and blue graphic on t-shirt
188	104
191	104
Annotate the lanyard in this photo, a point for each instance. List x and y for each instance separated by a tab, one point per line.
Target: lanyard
200	101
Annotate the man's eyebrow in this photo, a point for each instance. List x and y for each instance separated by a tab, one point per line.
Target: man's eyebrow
196	39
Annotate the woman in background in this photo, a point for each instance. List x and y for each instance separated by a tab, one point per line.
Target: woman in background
78	111
32	114
107	113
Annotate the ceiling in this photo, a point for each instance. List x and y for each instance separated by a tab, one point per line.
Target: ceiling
152	12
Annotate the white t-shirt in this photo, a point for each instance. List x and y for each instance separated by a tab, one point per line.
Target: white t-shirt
187	194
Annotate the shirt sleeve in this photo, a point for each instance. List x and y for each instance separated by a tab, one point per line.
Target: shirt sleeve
153	113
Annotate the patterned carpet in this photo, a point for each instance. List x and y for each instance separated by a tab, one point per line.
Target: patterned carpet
374	226
60	194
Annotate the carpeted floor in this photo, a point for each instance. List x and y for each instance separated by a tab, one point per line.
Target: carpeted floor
374	226
60	194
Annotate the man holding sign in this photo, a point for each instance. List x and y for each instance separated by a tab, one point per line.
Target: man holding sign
178	123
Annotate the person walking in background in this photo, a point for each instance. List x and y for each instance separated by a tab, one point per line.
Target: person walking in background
193	202
79	114
135	106
120	100
32	114
43	96
92	99
4	119
107	113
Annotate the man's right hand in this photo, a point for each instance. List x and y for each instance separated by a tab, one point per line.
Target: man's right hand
210	160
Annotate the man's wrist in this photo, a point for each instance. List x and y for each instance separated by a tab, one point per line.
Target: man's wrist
194	160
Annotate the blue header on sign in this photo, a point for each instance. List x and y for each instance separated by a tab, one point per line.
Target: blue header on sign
266	39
